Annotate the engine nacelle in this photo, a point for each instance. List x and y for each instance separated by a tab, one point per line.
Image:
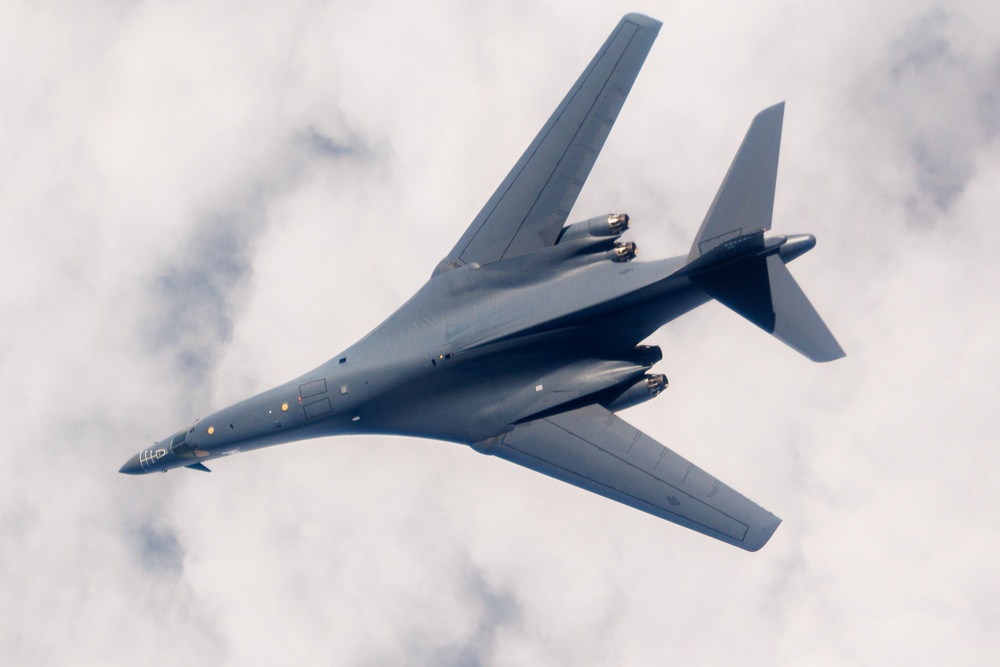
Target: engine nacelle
622	252
613	224
648	386
647	355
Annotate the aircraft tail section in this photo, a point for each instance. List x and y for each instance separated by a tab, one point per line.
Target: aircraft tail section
731	260
761	289
743	205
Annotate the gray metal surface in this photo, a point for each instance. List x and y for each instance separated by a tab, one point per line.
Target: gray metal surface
593	449
745	200
530	207
528	337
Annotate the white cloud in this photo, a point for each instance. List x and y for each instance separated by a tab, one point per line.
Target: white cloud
201	200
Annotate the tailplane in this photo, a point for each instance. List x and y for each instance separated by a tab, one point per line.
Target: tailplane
761	289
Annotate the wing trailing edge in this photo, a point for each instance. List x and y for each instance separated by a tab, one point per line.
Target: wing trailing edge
530	207
591	448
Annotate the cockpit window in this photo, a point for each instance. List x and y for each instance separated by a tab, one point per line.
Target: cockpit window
179	448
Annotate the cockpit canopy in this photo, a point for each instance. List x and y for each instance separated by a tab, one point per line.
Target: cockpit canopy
179	448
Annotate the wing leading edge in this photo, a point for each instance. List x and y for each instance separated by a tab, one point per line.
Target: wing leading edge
531	205
592	448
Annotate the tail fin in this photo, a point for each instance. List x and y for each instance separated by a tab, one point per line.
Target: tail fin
731	261
745	200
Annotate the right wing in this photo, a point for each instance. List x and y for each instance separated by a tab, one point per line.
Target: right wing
530	207
593	449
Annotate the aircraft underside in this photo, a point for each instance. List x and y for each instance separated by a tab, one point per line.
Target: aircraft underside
528	337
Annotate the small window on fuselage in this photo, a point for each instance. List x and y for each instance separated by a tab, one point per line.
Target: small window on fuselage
179	448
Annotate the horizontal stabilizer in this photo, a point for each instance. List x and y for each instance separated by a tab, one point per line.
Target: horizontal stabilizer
198	466
762	290
796	322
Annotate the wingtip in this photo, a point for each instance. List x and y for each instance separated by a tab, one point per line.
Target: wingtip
775	110
760	535
642	20
832	356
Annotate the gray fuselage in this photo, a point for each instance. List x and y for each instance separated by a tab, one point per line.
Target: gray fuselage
473	352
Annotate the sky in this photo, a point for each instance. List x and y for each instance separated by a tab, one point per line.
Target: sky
202	200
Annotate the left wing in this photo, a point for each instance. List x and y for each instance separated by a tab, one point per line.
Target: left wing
595	450
530	207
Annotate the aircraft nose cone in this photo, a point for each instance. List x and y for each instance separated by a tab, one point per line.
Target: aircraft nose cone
132	466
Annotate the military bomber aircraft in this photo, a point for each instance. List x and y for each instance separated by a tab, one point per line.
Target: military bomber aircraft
527	339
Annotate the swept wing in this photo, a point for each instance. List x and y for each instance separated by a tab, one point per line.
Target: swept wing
590	447
530	207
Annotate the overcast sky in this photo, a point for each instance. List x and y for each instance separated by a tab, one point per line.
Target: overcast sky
201	200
